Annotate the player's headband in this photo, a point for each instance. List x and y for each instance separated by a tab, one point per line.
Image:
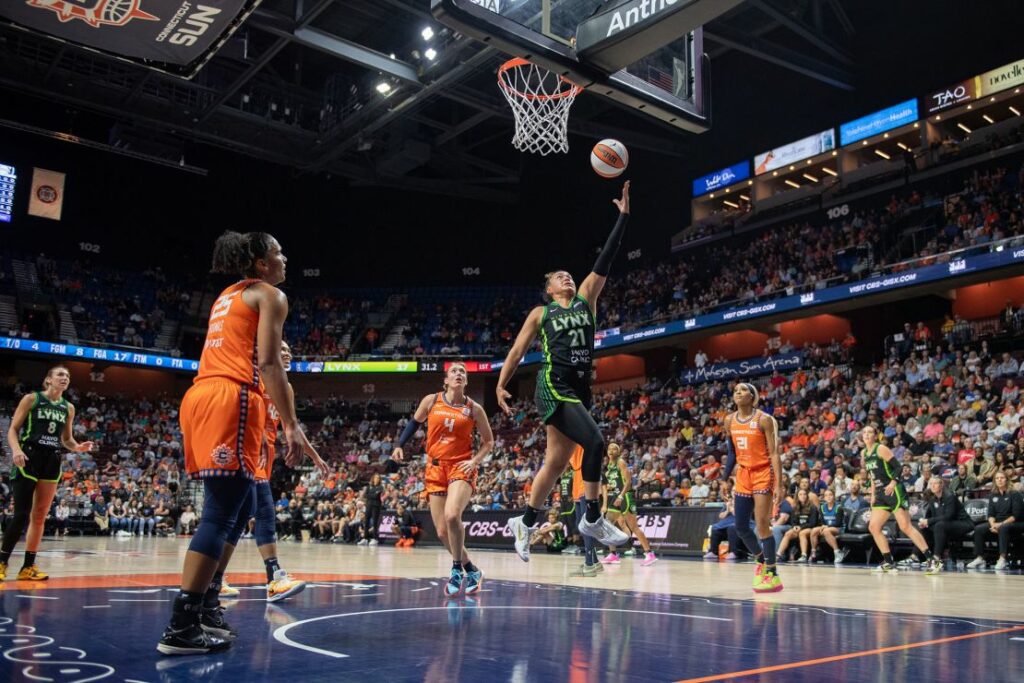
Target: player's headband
753	391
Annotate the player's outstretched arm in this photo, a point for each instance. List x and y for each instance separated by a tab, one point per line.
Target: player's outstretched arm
594	283
523	340
418	418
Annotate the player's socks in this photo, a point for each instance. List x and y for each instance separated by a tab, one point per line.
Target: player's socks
593	510
212	596
530	516
768	549
271	566
30	559
469	567
186	609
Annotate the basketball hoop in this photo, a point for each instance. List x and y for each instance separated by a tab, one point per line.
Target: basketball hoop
540	101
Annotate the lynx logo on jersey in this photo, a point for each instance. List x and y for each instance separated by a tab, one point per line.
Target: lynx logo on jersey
96	13
51	415
571	321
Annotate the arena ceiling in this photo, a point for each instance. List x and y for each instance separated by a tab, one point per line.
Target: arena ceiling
299	84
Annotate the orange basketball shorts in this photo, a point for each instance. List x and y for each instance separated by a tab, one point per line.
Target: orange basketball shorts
754	480
440	473
265	463
222	429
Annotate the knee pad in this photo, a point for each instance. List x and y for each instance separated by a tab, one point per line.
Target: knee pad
242	521
210	537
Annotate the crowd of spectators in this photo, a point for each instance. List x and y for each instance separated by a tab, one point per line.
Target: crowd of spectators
804	256
100	309
952	412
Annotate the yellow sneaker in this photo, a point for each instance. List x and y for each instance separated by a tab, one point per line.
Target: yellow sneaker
32	574
283	586
769	583
3	571
227	591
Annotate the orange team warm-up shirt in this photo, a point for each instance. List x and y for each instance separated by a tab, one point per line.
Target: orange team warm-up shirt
576	463
450	430
749	441
230	348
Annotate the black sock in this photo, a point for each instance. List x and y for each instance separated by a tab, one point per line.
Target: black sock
925	555
212	596
186	609
272	566
457	565
887	558
5	556
469	567
593	510
759	558
30	559
770	570
530	516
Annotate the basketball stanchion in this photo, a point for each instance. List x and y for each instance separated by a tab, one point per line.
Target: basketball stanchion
540	101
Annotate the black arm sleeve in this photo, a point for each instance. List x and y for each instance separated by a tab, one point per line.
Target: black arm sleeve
730	458
603	265
410	428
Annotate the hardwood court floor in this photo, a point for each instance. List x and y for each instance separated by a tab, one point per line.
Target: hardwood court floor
379	614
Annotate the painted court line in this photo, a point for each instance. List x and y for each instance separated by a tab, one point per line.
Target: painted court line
849	655
281	634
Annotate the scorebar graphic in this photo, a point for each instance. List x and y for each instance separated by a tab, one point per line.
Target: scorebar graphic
8	179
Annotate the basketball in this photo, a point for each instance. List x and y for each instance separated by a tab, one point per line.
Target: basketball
609	158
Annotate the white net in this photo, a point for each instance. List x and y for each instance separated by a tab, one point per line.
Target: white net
540	101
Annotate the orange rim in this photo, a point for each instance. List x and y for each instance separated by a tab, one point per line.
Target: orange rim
517	62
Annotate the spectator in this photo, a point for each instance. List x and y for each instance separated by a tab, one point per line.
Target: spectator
806	516
187	521
1005	507
944	518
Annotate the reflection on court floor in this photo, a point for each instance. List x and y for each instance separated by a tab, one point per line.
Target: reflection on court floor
366	628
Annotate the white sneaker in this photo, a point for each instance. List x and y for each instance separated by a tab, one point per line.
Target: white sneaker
976	563
373	541
521	536
604	532
1001	563
840	556
363	542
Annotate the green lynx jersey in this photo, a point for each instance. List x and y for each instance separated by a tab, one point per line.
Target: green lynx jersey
878	469
565	491
613	477
567	335
45	423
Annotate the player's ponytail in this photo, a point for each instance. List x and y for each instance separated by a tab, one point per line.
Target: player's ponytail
236	253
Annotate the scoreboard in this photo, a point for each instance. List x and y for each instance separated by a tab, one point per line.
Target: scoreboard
8	177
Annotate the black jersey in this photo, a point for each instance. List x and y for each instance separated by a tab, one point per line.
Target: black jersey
565	487
45	423
567	335
879	470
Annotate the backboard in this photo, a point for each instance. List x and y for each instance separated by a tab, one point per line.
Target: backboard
669	83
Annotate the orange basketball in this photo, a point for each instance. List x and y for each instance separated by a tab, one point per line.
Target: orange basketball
609	158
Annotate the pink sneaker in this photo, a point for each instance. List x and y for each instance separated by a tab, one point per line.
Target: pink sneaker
649	559
610	558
